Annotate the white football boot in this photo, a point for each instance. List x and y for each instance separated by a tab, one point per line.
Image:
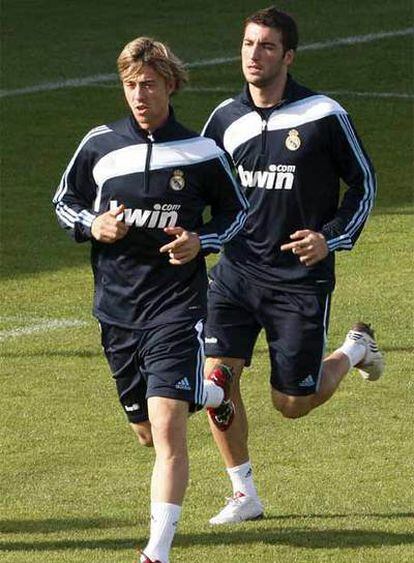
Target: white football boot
238	509
372	365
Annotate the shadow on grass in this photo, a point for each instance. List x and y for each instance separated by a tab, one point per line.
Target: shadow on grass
53	525
294	536
381	515
300	537
116	544
66	525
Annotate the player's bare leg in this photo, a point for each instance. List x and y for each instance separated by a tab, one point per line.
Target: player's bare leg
142	430
359	350
233	446
168	418
233	442
335	367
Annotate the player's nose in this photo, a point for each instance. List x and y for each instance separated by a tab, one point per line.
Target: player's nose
138	93
254	52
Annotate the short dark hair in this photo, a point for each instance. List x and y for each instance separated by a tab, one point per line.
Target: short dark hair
272	17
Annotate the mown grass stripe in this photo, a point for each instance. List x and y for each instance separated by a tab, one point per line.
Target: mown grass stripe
101	78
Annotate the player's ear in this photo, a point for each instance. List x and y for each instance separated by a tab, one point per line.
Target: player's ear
171	87
289	57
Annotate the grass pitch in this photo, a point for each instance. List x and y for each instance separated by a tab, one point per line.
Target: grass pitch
337	484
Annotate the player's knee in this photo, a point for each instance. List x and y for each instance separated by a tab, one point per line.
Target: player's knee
145	440
144	435
290	408
234	364
290	411
169	430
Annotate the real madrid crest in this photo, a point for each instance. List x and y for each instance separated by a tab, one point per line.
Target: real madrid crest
293	141
177	181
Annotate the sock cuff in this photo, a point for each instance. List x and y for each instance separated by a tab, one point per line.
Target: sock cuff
213	395
354	351
159	509
238	468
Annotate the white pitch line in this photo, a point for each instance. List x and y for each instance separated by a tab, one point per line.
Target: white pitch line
42	326
100	78
355	39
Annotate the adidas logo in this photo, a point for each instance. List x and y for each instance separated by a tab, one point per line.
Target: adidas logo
210	340
183	384
307	382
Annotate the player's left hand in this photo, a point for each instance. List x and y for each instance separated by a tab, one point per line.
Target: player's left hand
184	248
309	246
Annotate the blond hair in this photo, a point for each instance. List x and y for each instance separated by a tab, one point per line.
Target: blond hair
144	50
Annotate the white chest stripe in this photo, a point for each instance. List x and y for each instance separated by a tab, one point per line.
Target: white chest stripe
296	114
131	159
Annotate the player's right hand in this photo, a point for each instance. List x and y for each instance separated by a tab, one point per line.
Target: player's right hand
183	248
108	228
309	246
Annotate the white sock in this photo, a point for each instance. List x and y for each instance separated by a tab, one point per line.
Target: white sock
213	395
242	479
164	520
354	351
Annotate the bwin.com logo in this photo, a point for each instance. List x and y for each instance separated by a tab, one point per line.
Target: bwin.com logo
277	177
161	216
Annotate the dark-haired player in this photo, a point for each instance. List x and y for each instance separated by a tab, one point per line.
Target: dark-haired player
291	147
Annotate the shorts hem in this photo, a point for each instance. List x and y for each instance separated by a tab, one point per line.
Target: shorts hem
137	419
193	406
295	392
236	356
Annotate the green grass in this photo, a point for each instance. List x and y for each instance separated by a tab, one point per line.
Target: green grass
338	483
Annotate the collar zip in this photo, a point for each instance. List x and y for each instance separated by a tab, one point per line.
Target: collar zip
150	141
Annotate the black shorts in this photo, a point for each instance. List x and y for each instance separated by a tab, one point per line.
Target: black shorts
295	324
166	361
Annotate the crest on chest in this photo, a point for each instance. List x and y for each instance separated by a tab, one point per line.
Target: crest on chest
177	181
293	140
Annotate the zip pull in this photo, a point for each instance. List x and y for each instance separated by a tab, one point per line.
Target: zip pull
263	135
148	162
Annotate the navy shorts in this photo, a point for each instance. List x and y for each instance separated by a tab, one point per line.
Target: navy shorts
295	325
166	361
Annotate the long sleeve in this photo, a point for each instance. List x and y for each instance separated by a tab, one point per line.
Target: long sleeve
356	170
76	192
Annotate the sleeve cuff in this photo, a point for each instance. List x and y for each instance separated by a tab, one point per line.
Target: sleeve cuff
210	243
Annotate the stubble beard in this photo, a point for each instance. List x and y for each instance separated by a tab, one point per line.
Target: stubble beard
265	81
